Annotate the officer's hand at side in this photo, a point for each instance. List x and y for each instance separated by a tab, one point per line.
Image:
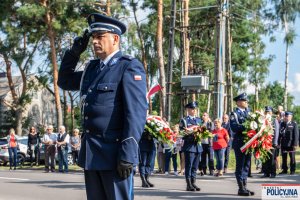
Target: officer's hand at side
80	43
124	169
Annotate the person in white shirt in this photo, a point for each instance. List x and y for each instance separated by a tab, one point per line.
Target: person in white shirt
49	140
63	140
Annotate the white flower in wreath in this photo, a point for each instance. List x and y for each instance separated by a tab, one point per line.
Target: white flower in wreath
268	117
261	119
157	129
253	125
152	123
158	124
252	115
148	121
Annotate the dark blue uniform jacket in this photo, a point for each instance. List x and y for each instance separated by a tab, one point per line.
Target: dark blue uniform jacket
237	118
113	109
190	145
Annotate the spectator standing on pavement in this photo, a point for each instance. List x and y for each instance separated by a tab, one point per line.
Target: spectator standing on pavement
208	153
33	146
49	140
63	140
179	144
75	142
226	125
12	148
220	141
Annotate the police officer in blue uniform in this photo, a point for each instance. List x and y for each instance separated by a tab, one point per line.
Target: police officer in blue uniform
147	152
113	106
192	150
288	138
237	118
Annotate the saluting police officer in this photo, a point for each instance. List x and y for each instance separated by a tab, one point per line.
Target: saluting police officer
147	152
289	141
192	150
237	118
113	106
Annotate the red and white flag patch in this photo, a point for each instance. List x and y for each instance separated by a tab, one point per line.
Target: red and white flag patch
137	77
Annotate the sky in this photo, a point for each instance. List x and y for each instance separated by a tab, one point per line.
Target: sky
277	67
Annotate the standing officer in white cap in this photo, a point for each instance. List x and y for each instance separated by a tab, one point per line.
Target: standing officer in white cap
113	107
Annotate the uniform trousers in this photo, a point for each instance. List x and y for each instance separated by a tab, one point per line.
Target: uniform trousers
191	164
269	167
242	166
146	162
107	185
285	151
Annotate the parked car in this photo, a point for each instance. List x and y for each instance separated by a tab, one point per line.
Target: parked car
4	155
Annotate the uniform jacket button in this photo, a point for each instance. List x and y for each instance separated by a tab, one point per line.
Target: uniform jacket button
117	139
105	88
87	131
90	91
86	104
86	117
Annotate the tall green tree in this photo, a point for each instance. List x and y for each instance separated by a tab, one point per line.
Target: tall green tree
18	45
285	13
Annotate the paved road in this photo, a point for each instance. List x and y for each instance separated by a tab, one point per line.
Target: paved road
36	185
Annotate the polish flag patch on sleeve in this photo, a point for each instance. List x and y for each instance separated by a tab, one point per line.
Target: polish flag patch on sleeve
137	77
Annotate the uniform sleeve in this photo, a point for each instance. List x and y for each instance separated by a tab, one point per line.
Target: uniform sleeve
296	134
234	125
135	109
276	132
182	124
68	79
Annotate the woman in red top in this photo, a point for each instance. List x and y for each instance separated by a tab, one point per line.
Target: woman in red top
12	148
220	141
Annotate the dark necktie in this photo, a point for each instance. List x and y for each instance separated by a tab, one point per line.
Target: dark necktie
100	67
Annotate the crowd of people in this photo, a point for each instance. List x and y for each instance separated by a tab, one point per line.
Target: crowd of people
199	158
53	143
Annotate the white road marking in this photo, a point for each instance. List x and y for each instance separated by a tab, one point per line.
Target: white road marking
17	179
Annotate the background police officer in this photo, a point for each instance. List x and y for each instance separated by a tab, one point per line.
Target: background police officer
147	152
192	150
237	118
113	105
269	167
289	141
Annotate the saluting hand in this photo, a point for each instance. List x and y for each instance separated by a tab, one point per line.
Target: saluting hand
80	43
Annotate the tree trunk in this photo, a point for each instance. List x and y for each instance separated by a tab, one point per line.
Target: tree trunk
19	119
142	44
159	41
65	106
51	36
72	111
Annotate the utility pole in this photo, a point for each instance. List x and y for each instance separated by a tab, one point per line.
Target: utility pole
170	61
186	36
229	93
220	61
